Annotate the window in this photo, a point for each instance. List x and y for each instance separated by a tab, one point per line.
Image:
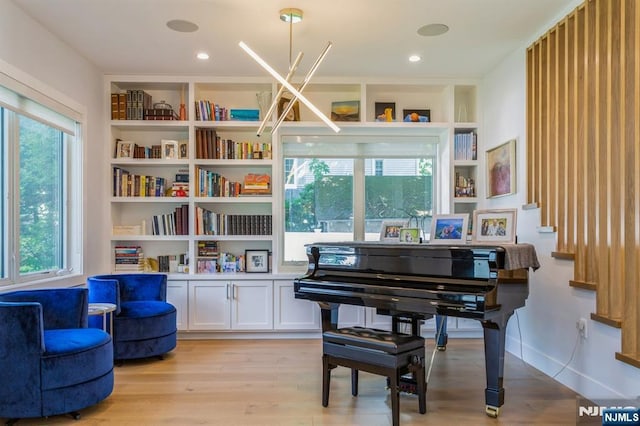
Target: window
347	196
40	163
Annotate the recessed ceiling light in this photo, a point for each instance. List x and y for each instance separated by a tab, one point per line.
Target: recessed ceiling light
202	56
182	26
414	58
433	30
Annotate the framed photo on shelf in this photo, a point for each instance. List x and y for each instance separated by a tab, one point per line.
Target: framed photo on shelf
410	235
501	170
416	115
124	149
381	111
345	111
449	228
494	226
293	114
169	149
390	230
256	261
183	149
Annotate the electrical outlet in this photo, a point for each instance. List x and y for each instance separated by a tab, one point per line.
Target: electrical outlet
581	325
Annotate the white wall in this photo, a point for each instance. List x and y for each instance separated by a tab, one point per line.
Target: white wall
547	323
33	51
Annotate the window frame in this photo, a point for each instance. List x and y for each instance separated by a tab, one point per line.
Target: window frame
359	172
40	103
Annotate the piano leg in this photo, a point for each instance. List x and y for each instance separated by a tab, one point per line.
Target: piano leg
441	332
494	346
329	315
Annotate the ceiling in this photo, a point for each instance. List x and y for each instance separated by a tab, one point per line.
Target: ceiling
371	38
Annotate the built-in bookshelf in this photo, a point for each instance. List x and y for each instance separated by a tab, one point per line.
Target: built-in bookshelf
187	168
465	165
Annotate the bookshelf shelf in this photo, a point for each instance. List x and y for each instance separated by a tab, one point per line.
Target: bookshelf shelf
453	111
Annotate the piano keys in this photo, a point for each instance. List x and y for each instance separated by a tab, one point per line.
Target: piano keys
413	282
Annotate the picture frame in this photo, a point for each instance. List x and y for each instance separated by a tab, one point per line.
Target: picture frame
380	111
449	228
345	111
390	230
501	170
183	149
294	113
169	149
125	149
256	261
494	226
421	115
410	235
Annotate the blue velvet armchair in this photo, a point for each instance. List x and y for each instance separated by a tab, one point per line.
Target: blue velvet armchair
144	323
50	362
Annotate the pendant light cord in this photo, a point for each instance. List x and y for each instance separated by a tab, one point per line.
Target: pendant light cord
290	38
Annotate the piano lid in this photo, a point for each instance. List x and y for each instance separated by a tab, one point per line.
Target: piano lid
461	261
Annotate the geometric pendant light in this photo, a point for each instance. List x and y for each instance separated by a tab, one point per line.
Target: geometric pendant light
291	16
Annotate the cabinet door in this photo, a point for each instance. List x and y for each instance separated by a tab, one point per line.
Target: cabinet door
373	320
209	305
178	296
291	313
252	305
350	315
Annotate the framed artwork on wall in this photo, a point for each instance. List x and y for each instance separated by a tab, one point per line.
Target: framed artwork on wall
501	170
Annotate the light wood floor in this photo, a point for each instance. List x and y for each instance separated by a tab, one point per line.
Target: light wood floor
277	382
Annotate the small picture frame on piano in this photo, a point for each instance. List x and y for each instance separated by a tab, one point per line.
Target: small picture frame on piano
390	230
449	229
494	226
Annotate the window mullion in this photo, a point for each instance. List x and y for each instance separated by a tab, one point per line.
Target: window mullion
358	199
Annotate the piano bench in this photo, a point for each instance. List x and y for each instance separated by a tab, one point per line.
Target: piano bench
378	352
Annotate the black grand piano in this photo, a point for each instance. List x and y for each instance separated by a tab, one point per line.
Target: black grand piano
413	282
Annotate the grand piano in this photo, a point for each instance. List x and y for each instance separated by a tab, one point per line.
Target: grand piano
413	282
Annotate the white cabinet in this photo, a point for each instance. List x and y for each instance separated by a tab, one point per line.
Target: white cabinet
291	313
231	305
178	296
209	305
350	316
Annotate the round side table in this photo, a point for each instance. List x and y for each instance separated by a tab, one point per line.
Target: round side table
104	309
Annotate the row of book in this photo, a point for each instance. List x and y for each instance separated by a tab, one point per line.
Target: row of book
212	223
126	184
128	259
210	146
212	184
208	111
174	223
465	146
208	248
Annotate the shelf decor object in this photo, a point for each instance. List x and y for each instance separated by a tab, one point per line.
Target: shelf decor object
291	16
